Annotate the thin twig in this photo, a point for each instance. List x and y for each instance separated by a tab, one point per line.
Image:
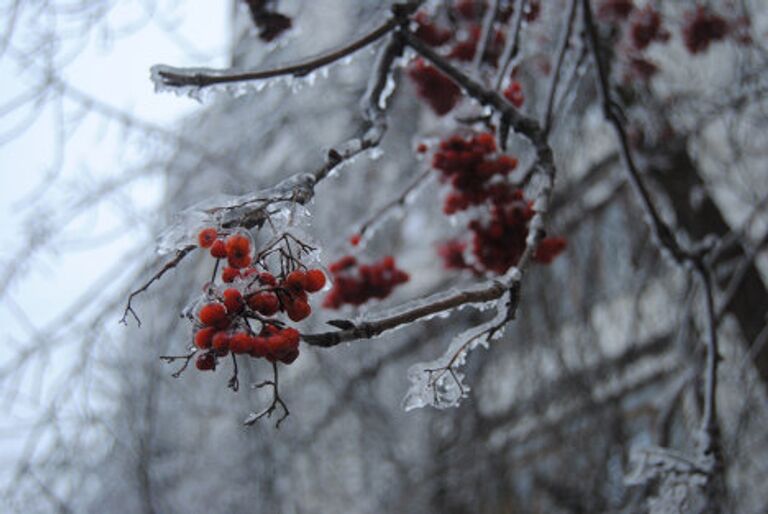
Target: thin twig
486	35
396	202
272	407
660	229
562	50
173	358
512	45
180	254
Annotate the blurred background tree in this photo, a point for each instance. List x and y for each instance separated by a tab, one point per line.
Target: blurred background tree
598	396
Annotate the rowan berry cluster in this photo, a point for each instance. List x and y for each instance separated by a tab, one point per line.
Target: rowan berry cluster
645	27
434	87
703	27
461	44
224	321
478	177
470	165
355	283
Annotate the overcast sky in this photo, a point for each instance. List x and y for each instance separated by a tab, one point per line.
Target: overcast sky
115	72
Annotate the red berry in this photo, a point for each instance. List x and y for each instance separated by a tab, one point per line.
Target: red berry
238	251
240	343
269	330
430	33
295	280
702	27
487	141
291	356
259	346
203	337
205	362
233	300
548	249
314	280
265	303
229	275
432	85
220	341
514	93
422	148
249	272
292	336
283	344
298	310
213	314
218	249
345	262
355	239
206	237
268	279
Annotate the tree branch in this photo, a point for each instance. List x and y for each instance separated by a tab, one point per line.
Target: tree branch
181	77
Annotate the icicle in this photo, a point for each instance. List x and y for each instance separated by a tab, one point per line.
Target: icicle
439	383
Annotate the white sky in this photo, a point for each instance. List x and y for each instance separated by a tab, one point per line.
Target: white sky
117	73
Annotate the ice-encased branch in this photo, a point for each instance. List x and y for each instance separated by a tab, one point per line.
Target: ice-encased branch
421	309
169	78
439	383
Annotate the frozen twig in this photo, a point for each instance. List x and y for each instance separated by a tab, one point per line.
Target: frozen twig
492	290
180	77
512	45
276	403
399	201
180	254
486	35
184	358
565	39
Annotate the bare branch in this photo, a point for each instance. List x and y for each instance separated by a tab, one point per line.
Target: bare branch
180	254
181	77
273	406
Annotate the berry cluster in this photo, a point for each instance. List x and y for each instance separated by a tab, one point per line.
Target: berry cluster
645	27
702	27
461	43
479	178
440	93
223	322
471	166
355	283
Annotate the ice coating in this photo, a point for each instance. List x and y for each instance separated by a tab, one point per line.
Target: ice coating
238	88
283	204
439	383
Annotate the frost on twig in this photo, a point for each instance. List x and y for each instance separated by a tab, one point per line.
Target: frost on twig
279	206
440	383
